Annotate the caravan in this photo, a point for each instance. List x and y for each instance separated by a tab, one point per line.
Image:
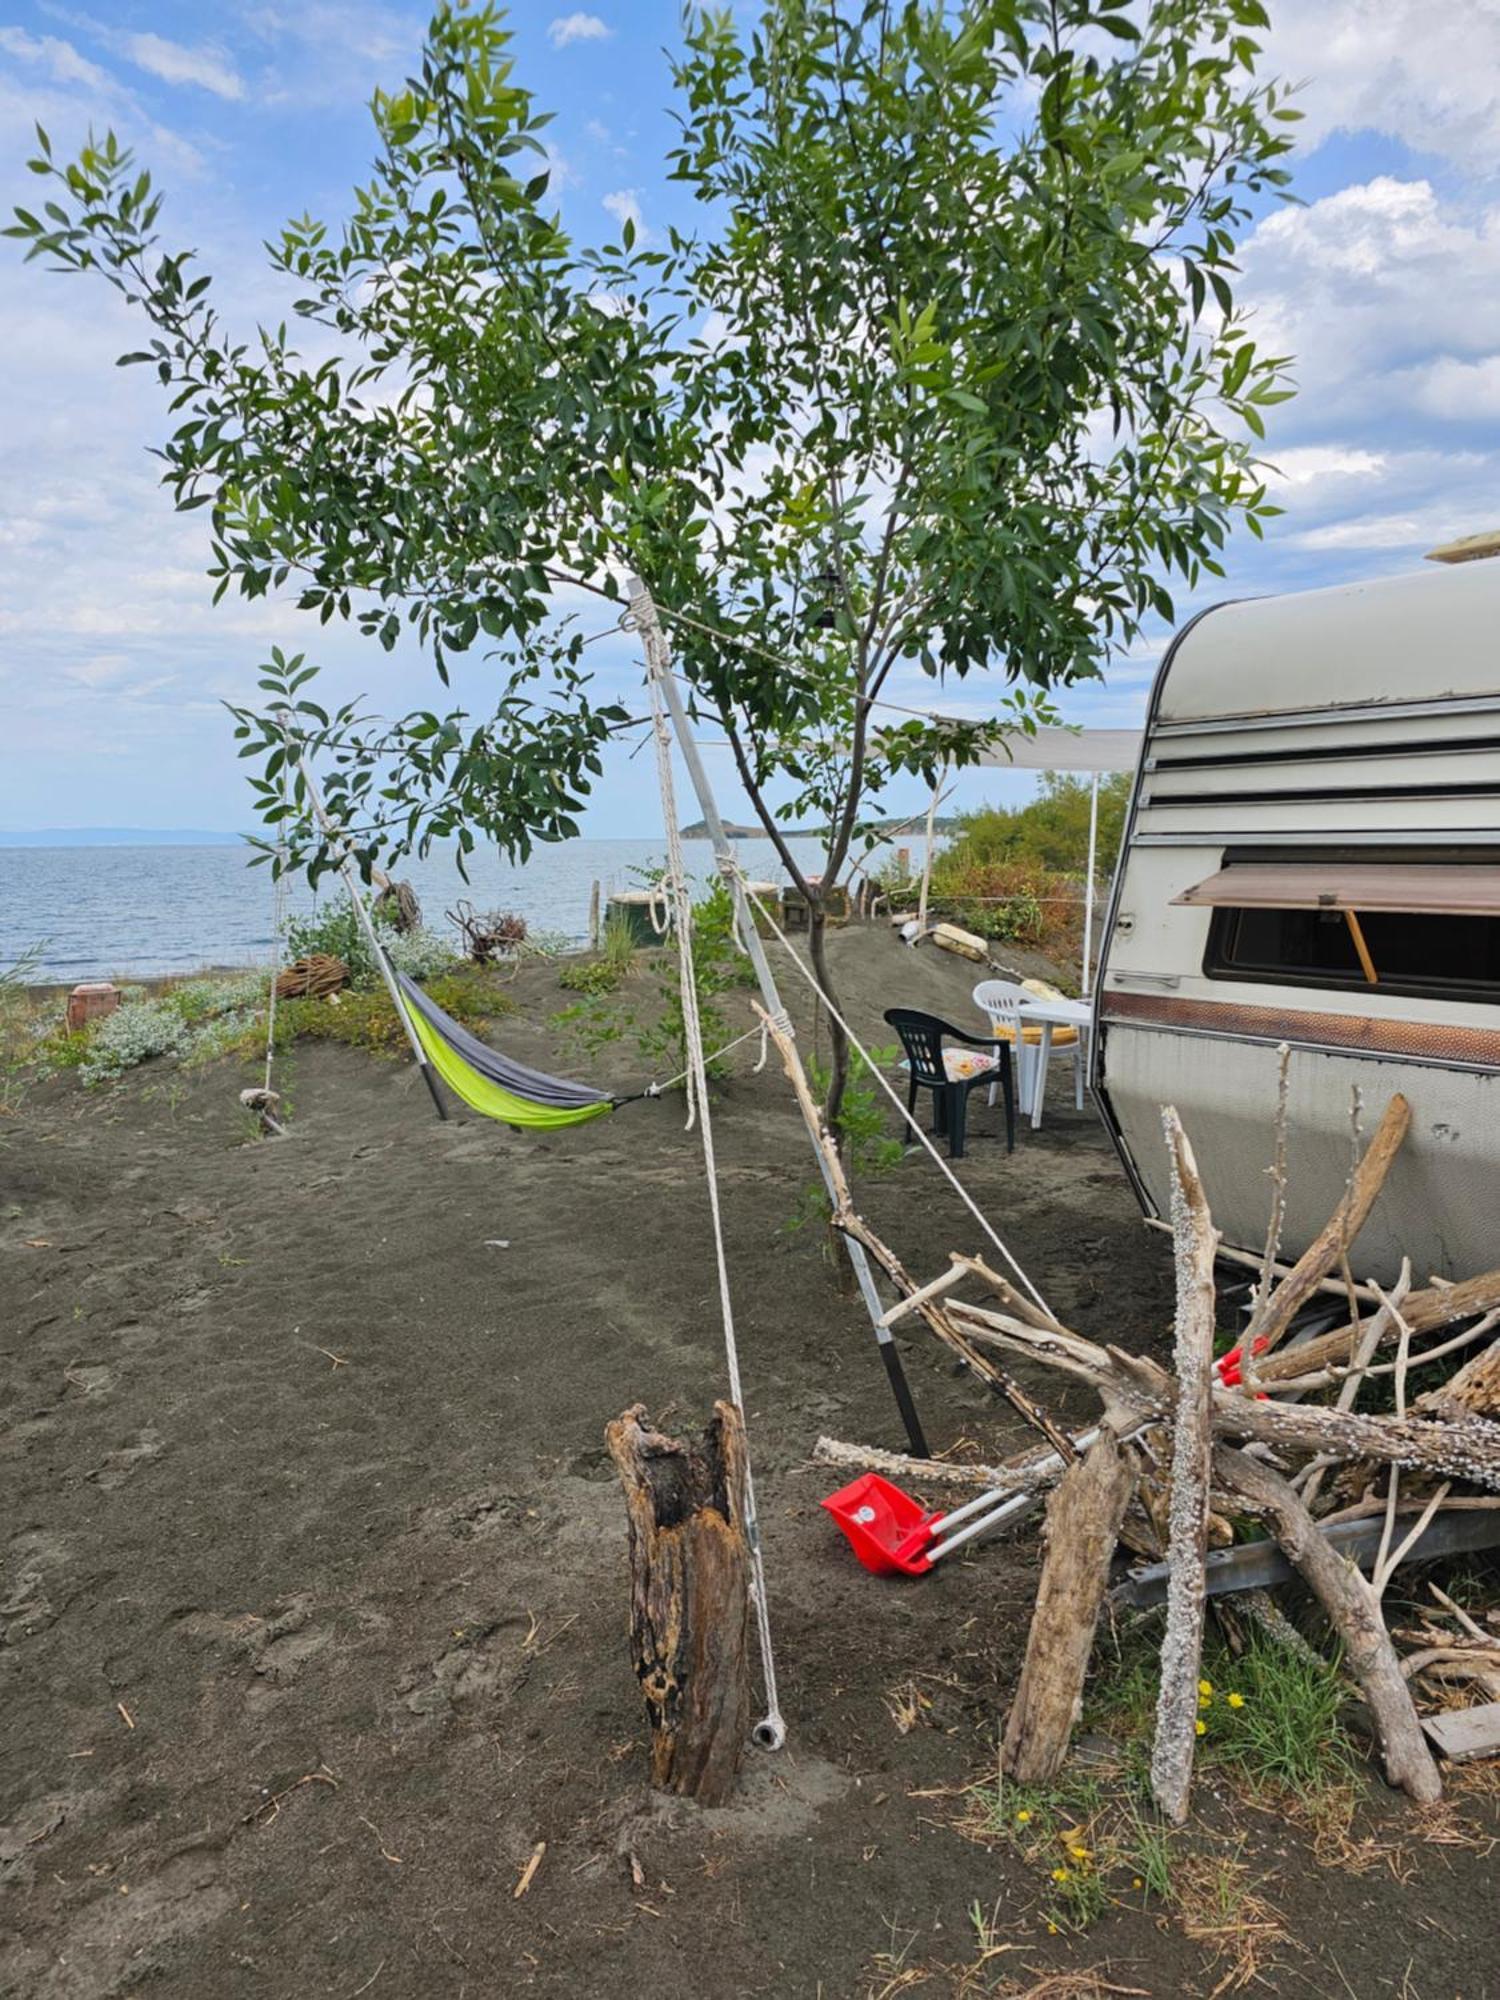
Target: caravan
1312	858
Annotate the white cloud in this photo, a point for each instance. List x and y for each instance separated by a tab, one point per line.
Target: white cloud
62	61
1304	466
173	62
1421	72
625	206
1461	391
577	28
1368	288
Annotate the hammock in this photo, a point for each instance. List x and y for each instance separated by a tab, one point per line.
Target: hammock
491	1083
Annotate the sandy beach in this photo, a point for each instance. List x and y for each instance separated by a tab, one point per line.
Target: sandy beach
314	1567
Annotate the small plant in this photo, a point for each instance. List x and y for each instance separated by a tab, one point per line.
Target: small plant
336	930
611	966
132	1034
1273	1716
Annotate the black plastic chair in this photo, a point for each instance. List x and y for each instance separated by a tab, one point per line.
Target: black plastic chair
922	1037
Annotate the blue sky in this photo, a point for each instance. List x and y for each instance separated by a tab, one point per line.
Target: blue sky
1385	284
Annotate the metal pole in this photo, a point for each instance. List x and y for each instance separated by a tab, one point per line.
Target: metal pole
659	665
1088	896
345	867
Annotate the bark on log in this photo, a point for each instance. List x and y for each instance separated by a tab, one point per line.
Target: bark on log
1473	1391
1083	1525
1187	1544
1355	1611
1271	1321
689	1596
1424	1312
1467	1450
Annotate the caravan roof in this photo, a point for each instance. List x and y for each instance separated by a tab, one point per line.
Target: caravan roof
1430	636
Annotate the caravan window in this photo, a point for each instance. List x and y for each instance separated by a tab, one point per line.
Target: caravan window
1426	929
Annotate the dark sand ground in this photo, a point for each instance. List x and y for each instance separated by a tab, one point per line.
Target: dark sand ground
313	1592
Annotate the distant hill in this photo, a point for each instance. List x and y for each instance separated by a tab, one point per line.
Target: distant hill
116	836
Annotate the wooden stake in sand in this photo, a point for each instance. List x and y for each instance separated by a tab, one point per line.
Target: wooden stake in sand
689	1596
1083	1525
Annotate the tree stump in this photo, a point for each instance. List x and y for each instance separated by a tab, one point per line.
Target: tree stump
689	1596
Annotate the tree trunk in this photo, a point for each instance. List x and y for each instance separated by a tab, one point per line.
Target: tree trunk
689	1596
838	1041
1083	1525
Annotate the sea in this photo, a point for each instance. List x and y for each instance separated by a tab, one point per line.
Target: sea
142	912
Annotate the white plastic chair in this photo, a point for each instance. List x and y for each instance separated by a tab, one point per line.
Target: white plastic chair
999	1000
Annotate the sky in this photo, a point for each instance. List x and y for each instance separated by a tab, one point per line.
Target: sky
1384	283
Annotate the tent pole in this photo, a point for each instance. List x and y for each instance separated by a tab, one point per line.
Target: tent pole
659	665
1088	898
345	867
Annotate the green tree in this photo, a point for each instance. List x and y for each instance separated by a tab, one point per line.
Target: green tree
1052	829
950	374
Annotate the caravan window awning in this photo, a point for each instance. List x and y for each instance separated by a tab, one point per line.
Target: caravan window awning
1470	889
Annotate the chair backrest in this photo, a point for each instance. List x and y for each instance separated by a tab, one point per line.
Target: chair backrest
922	1038
999	1000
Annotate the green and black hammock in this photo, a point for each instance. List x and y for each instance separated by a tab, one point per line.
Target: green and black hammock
491	1083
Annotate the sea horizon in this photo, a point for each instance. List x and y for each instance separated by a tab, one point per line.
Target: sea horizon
154	909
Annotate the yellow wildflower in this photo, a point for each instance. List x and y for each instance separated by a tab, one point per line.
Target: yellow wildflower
1136	1882
1060	1874
1079	1853
1205	1701
1023	1817
1236	1701
1200	1727
1206	1690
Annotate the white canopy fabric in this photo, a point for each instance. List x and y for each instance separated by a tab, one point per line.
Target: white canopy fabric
1067	750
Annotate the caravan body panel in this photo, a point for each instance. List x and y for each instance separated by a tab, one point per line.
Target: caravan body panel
1362	721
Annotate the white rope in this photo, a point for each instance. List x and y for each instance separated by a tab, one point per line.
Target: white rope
657	1089
874	1068
770	1731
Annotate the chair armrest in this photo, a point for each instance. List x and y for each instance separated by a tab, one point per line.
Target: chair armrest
976	1041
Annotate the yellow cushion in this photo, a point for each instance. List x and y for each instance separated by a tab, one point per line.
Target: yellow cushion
1032	1034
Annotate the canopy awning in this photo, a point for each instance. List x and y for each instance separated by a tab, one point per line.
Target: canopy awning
1435	888
1067	750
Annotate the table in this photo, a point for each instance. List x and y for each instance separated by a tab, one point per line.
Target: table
1047	1015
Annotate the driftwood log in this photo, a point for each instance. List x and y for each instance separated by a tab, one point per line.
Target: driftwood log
1193	1241
689	1596
1082	1528
1353	1609
1275	1313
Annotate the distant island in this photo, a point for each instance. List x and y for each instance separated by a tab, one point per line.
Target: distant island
118	836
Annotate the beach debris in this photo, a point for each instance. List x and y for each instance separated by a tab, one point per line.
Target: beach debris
487	934
266	1104
1210	1443
690	1596
950	937
314	977
528	1873
398	903
91	1001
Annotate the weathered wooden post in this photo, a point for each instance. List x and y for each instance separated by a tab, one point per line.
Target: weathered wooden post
689	1596
594	918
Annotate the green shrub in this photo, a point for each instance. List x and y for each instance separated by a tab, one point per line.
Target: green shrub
132	1034
335	928
612	965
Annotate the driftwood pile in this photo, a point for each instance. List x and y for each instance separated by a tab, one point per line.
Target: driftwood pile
487	934
1181	1453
